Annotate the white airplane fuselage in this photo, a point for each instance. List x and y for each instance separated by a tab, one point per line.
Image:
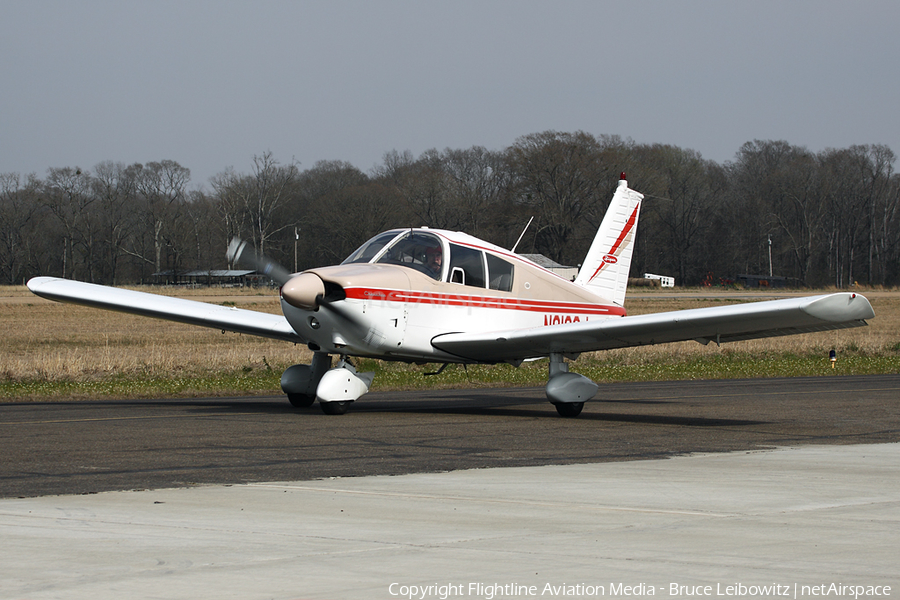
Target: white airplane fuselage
393	311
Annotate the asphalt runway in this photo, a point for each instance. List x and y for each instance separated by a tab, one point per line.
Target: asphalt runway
88	447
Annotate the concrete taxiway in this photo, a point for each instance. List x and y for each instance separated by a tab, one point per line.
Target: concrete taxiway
726	525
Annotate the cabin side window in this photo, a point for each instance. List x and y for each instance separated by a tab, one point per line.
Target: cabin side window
466	266
500	274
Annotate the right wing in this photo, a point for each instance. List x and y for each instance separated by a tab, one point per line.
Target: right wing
163	307
717	324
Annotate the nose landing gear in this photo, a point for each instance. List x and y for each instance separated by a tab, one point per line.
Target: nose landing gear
335	388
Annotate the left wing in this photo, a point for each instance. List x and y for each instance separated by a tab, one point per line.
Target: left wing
164	307
717	324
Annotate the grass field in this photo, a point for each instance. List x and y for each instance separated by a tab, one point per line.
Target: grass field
59	351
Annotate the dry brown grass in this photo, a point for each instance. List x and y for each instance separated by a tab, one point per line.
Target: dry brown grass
50	341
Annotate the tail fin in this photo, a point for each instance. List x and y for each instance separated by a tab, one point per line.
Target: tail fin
605	268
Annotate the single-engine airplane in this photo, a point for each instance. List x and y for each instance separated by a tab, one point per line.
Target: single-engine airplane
434	296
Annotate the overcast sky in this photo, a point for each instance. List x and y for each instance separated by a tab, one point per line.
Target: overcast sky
210	84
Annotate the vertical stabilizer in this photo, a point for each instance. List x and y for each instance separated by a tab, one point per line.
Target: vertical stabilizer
605	268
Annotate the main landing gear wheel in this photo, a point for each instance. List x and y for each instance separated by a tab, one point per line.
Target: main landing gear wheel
301	400
569	409
335	408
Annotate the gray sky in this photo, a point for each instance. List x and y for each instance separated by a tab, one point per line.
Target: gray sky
210	84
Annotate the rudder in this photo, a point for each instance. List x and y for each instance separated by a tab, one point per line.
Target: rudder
605	268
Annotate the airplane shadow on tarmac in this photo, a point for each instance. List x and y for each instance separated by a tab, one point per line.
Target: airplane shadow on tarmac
488	405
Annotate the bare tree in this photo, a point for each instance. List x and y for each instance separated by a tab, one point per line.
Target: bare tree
18	206
682	199
422	184
162	187
229	201
559	176
347	217
476	182
877	179
68	194
257	201
270	189
115	189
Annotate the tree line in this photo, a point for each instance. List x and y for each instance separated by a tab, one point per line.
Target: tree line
830	218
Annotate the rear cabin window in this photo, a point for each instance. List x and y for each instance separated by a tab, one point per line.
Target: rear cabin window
500	274
466	266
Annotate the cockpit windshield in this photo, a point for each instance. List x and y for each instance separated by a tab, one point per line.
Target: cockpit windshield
415	249
418	250
370	249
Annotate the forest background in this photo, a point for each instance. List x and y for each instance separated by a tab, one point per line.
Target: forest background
820	219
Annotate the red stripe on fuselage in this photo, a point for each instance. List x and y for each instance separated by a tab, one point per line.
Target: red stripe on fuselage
474	301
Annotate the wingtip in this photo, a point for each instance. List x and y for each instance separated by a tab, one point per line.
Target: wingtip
841	307
35	282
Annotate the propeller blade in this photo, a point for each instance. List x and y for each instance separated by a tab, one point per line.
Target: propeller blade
303	290
237	253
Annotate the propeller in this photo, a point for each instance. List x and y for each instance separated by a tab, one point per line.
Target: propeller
301	290
304	290
261	263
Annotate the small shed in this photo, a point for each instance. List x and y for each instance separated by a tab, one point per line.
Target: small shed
664	280
213	277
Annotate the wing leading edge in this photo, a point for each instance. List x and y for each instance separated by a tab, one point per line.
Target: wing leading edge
163	307
718	324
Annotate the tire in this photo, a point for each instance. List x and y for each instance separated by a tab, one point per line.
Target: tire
570	410
301	400
335	408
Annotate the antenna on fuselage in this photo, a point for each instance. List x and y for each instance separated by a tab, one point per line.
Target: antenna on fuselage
522	234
